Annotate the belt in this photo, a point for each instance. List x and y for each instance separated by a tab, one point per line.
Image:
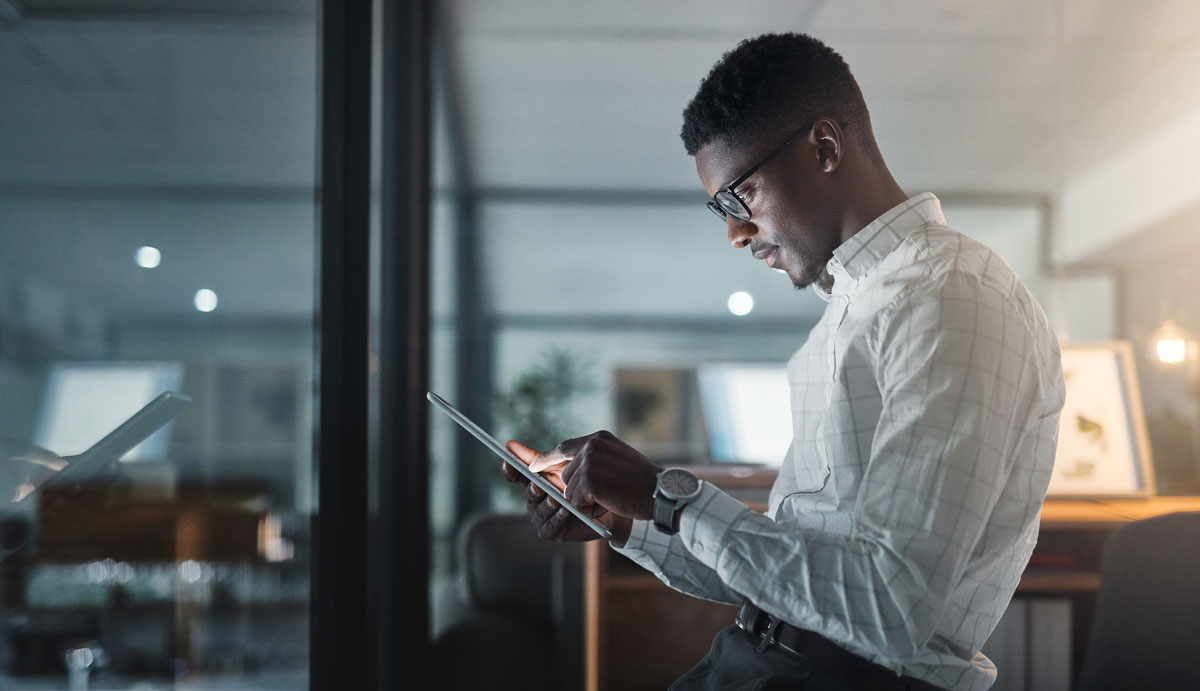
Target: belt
822	653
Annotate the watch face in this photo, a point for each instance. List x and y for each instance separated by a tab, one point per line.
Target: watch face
678	484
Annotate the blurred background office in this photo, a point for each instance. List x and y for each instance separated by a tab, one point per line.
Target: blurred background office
303	214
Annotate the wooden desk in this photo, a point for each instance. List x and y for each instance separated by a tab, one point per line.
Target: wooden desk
640	634
1063	514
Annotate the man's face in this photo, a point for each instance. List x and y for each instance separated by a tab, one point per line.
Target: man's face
792	225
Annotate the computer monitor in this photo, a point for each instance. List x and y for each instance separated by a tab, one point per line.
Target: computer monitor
86	400
748	412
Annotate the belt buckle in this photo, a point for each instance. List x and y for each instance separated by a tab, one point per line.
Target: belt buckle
768	638
750	624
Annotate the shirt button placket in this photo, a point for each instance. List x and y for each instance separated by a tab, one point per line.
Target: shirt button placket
842	302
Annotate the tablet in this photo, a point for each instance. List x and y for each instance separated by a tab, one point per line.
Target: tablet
117	443
498	449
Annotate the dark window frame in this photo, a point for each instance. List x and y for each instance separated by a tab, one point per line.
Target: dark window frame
369	611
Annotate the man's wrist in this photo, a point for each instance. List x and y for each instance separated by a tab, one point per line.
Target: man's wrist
646	511
621	529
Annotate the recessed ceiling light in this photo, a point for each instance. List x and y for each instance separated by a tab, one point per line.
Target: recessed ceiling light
148	257
206	300
741	303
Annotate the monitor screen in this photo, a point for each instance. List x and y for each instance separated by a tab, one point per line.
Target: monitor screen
748	412
86	400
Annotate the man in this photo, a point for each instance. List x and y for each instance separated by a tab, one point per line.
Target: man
925	406
65	519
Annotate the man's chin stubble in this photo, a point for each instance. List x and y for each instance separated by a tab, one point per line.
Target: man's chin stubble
822	277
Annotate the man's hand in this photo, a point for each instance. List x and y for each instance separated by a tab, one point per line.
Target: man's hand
552	521
24	466
601	470
603	475
67	514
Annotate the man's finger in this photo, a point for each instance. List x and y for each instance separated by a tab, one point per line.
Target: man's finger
555	479
543	511
511	474
521	451
537	462
578	495
564	453
555	526
533	497
553	460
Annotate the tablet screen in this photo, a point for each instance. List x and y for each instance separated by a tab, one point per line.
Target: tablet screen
109	449
546	485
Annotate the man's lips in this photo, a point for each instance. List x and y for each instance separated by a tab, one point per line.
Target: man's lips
767	254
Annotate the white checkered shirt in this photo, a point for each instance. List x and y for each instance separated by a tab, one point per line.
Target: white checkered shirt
925	410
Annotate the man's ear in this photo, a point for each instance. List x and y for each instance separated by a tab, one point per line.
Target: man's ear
829	141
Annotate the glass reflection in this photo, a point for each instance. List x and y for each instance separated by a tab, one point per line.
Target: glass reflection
157	233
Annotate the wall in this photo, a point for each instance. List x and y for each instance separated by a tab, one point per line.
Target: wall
1163	288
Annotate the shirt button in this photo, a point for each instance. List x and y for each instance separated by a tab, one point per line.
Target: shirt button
698	548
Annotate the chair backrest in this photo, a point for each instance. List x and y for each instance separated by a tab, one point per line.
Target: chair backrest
505	568
523	594
1147	629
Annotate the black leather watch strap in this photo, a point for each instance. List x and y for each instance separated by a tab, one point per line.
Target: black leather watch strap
666	515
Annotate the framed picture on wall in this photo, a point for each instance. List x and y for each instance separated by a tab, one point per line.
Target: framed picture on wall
1103	448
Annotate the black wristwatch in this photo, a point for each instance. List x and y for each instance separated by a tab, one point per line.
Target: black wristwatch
676	489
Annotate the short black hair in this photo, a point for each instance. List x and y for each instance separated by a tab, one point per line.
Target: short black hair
770	84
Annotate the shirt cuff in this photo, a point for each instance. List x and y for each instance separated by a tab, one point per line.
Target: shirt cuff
646	539
704	522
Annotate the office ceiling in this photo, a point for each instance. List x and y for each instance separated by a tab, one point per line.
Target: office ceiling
964	96
122	121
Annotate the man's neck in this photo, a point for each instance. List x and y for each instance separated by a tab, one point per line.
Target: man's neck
875	196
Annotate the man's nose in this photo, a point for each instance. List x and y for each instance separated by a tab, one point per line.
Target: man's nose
740	232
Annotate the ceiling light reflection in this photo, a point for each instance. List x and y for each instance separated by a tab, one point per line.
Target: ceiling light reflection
148	257
206	300
741	303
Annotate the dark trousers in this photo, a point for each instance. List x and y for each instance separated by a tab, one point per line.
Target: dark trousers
735	664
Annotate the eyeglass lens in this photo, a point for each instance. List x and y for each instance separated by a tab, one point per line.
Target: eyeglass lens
731	205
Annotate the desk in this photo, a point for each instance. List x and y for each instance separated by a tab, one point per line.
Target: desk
640	634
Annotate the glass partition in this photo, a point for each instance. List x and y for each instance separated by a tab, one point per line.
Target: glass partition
157	233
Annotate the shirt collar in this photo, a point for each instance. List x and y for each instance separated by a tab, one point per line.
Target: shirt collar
858	255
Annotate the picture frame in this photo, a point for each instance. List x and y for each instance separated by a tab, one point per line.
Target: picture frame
1103	447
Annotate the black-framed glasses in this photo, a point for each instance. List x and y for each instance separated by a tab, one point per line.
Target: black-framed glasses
726	201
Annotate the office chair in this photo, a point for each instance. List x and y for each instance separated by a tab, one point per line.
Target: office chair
1147	630
523	601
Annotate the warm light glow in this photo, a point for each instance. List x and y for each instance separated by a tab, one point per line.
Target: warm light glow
1171	350
1170	343
271	545
206	300
741	303
148	257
